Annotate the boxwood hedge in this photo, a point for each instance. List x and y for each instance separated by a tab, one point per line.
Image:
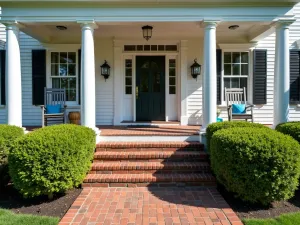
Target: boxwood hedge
212	128
260	165
290	128
8	134
51	159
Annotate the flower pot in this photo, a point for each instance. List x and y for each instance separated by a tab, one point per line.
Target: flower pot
74	117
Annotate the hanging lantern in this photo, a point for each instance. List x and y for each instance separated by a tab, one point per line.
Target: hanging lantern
195	69
147	32
105	70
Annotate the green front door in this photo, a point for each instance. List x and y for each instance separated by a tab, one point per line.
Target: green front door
150	88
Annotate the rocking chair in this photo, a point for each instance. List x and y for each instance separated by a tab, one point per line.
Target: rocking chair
236	99
54	109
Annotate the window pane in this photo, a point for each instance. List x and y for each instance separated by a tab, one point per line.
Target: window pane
72	69
172	63
55	82
54	69
72	83
227	69
236	57
172	90
235	82
128	72
245	57
63	70
63	57
172	72
227	57
128	90
243	82
54	57
227	82
128	81
172	81
128	63
236	69
245	70
72	57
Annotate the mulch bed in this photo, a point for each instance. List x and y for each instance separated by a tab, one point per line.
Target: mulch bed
246	210
57	207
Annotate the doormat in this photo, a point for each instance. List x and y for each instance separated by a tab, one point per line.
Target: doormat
142	126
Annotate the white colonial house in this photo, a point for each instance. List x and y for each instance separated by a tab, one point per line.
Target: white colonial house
62	44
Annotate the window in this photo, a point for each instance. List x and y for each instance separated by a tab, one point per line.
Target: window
64	73
172	76
236	70
128	76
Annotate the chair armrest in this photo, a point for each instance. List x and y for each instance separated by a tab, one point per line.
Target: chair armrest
249	106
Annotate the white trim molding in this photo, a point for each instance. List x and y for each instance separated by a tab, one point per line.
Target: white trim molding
237	47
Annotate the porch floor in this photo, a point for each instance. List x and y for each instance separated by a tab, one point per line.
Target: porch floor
149	206
164	130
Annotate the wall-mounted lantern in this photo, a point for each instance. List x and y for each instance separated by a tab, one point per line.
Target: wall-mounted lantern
147	32
105	70
195	69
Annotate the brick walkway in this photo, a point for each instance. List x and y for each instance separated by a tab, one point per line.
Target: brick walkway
150	206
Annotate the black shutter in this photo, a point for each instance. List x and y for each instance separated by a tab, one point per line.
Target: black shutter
79	76
259	77
2	71
219	71
294	76
38	76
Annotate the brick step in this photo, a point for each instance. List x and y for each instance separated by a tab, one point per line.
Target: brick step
148	167
131	180
150	156
150	146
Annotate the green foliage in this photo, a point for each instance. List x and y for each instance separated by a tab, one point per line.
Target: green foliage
8	134
290	128
51	159
212	128
259	165
285	219
9	218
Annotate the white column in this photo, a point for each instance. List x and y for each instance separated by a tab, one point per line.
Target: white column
282	74
209	89
88	93
13	76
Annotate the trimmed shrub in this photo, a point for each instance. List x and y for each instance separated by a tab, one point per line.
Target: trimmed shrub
212	128
51	159
290	128
259	165
8	134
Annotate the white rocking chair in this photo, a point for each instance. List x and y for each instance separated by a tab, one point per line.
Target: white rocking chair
238	96
54	97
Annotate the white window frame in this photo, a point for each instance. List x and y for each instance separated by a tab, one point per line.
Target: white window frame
62	48
250	74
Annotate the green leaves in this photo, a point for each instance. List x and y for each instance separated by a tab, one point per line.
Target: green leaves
51	159
8	134
259	165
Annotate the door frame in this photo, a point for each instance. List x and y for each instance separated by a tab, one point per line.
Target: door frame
118	74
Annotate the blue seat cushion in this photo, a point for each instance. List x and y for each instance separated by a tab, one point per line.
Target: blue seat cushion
52	109
238	108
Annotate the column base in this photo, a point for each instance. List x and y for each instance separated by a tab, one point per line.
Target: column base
184	120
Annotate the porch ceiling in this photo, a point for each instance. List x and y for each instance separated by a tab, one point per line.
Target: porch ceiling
48	33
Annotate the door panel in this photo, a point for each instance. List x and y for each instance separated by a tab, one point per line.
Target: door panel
150	83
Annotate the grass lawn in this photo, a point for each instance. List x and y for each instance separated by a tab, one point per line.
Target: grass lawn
285	219
9	218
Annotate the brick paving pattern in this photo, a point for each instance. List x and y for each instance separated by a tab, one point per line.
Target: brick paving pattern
150	206
165	130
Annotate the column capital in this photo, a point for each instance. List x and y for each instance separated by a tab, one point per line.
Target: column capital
11	24
87	24
284	22
209	24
